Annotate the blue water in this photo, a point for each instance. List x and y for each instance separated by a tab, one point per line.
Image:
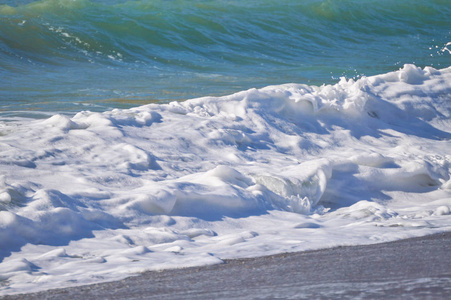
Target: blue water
71	55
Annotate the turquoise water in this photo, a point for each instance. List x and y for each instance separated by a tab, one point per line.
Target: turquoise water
71	55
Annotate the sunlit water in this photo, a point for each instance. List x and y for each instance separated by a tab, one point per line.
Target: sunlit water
67	56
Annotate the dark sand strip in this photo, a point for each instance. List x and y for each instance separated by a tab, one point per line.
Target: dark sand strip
418	268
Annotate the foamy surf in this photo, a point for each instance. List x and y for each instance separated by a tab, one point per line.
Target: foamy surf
102	196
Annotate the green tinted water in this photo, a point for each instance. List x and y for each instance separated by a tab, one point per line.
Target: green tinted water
72	55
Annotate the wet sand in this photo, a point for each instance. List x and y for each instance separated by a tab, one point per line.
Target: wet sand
418	268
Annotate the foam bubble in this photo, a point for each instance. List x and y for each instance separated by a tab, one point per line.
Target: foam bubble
283	168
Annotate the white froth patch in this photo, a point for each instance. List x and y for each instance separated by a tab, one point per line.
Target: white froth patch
101	196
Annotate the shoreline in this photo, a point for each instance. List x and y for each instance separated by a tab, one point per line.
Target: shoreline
416	268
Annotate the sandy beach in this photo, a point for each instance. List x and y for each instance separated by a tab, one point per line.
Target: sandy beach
417	268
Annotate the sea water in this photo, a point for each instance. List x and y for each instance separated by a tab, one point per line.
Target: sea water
297	125
71	55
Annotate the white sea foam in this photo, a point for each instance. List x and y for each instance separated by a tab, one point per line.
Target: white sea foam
101	196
